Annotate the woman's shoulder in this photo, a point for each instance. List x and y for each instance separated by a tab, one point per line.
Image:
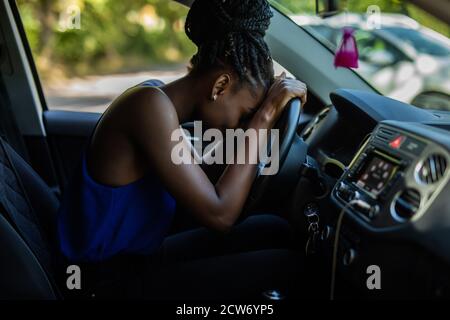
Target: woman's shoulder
144	110
145	99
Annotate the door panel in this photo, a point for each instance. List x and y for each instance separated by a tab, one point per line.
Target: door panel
68	133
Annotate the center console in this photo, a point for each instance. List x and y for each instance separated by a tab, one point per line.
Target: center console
392	179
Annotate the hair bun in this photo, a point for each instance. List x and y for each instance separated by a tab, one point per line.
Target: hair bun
210	20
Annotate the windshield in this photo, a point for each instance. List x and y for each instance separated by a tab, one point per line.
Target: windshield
403	51
421	41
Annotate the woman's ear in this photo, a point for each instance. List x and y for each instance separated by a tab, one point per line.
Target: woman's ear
221	85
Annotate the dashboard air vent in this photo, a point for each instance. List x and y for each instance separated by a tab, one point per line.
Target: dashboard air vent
406	204
432	169
385	134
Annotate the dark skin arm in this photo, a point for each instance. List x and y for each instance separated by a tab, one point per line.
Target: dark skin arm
150	128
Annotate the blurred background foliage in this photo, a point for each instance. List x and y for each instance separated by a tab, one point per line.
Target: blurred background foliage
114	36
129	36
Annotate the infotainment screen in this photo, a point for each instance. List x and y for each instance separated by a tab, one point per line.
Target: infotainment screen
376	174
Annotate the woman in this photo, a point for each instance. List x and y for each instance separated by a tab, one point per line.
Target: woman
121	202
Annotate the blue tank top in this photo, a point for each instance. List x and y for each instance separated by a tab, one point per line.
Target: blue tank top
97	222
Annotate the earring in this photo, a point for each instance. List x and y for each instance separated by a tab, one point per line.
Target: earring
214	98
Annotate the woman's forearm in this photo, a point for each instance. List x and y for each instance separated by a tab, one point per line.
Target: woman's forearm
235	183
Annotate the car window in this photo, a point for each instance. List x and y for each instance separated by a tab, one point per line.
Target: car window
403	51
88	52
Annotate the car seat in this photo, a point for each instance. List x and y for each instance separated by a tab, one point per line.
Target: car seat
28	207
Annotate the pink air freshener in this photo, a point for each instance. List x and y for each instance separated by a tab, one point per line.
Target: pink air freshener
347	54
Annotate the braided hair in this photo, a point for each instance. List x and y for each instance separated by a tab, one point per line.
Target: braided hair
231	32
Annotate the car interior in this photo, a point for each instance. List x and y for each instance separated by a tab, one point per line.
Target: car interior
364	178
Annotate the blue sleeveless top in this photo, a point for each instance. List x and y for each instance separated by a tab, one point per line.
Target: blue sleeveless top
97	222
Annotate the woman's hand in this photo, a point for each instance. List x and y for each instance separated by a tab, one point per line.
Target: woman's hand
280	93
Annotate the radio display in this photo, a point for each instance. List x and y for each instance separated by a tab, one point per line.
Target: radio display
375	175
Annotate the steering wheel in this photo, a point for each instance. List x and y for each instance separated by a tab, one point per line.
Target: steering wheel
287	126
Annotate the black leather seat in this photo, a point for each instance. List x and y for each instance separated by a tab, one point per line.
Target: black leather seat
28	259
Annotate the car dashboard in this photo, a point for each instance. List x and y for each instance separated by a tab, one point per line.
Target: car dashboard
398	173
387	169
